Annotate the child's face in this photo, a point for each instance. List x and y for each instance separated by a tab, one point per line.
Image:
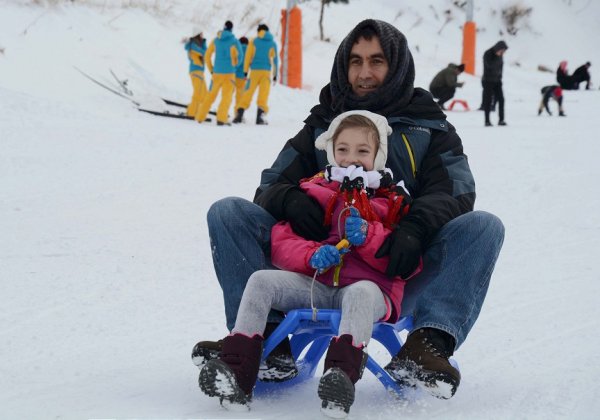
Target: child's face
355	146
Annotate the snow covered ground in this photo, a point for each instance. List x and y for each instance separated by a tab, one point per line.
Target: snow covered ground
106	275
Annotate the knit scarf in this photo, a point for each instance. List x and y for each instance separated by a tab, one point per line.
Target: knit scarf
397	88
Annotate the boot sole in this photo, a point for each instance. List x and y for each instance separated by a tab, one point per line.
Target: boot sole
203	357
336	392
217	380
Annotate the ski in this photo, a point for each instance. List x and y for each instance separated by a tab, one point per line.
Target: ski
180	105
180	115
170	102
122	83
109	88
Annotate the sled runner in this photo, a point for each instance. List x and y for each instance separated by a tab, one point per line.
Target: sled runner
314	336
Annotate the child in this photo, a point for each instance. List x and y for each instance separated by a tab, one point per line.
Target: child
554	92
358	193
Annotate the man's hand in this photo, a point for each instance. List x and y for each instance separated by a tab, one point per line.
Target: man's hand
305	215
404	248
356	228
324	257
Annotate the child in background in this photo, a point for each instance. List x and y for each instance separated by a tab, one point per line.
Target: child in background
358	194
551	92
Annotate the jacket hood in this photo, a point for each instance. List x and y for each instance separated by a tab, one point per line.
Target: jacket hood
500	45
266	35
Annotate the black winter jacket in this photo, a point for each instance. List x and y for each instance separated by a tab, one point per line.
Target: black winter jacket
424	151
492	63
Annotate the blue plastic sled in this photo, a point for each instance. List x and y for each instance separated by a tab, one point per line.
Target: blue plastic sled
317	334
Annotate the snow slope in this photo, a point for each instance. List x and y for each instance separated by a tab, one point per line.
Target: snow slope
106	274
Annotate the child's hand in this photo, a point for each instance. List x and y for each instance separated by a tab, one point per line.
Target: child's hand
325	257
356	228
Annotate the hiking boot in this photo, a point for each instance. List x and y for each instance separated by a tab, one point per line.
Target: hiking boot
205	351
502	122
278	367
423	361
344	366
259	117
488	124
223	123
239	116
233	375
562	114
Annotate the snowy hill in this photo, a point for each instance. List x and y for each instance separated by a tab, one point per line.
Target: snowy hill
106	274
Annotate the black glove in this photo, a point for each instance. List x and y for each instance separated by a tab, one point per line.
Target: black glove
403	246
305	215
274	78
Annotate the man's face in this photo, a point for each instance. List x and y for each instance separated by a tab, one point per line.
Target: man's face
500	53
367	67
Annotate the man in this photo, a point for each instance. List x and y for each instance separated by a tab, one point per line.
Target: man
582	74
444	84
196	48
262	62
551	92
240	75
373	70
227	50
492	81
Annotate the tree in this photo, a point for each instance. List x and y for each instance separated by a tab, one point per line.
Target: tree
323	4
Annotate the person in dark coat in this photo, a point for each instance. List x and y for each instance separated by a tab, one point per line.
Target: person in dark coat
492	81
582	74
563	77
373	70
551	92
444	84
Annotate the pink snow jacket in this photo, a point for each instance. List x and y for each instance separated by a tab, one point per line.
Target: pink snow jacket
291	252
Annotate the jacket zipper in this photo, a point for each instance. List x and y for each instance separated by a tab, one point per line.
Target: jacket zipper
411	155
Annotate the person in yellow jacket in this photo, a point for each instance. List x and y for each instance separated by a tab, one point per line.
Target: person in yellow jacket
227	50
196	48
262	62
240	75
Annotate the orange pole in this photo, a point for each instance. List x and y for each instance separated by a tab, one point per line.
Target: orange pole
468	53
291	47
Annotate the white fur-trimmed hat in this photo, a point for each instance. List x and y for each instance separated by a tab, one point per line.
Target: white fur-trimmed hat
325	140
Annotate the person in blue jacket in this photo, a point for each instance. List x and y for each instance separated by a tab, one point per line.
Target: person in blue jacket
240	75
227	50
196	48
262	62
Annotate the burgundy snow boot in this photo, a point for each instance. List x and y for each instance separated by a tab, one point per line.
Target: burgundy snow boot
423	361
344	365
232	376
278	367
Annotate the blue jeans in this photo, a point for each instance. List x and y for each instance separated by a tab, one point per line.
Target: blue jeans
447	294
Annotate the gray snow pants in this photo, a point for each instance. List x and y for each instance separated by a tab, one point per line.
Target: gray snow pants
362	303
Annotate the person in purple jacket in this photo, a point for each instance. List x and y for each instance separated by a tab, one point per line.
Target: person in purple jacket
357	193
